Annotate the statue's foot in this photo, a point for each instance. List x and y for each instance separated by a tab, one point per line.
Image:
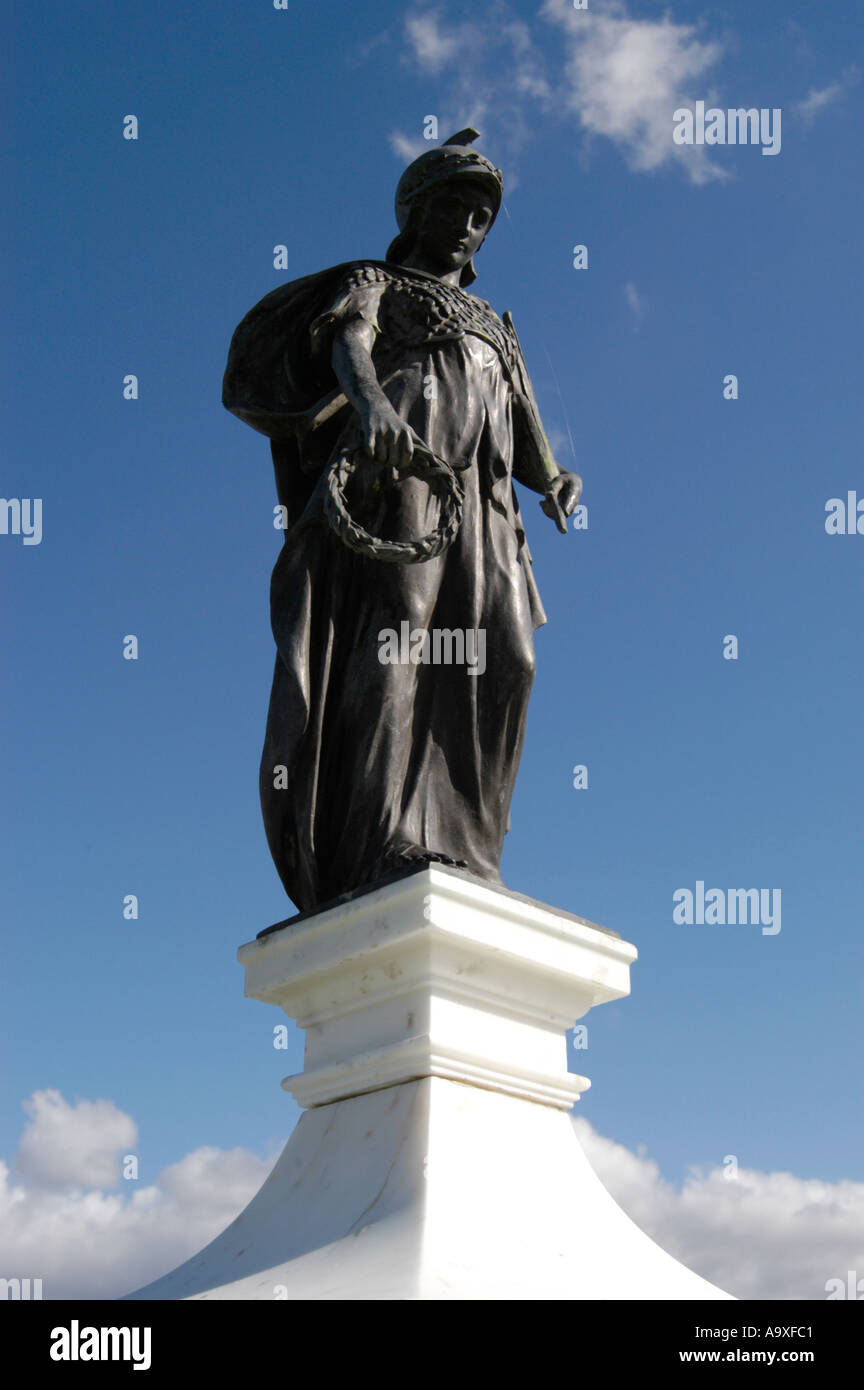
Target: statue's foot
418	854
431	856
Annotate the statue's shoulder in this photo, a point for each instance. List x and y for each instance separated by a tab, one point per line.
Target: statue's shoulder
282	318
482	306
368	272
270	366
294	294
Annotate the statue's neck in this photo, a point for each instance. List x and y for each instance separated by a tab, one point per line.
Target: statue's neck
449	277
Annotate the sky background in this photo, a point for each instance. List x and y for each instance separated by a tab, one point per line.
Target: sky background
706	517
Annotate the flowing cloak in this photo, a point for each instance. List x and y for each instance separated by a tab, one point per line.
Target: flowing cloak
370	765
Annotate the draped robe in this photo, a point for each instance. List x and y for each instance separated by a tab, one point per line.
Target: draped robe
370	767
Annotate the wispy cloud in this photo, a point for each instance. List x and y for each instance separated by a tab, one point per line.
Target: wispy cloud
617	77
432	44
634	302
491	75
820	97
360	53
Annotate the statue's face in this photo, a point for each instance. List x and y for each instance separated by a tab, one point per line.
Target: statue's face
453	222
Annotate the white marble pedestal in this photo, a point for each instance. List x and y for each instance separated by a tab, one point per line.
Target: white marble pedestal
436	1159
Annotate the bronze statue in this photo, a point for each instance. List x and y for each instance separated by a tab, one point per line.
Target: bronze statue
399	411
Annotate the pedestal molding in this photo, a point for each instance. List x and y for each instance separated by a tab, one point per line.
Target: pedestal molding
417	1057
434	1159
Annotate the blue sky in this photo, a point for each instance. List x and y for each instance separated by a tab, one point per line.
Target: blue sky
706	517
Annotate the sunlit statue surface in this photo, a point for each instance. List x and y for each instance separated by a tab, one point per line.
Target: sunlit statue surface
403	603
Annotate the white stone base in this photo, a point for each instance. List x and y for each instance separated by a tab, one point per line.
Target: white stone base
437	1160
433	1190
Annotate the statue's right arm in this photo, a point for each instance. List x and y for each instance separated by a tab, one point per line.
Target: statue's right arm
387	437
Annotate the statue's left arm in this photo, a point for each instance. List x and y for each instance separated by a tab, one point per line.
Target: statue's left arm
535	465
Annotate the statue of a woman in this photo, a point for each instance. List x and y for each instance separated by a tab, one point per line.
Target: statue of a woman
399	410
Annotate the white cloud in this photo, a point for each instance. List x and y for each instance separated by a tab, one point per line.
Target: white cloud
63	1227
820	97
765	1235
78	1145
492	76
634	302
761	1235
625	77
431	44
408	147
621	78
558	441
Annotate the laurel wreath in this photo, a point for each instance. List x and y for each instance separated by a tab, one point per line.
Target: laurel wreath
442	481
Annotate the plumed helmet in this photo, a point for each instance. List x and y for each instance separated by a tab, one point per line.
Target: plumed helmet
452	159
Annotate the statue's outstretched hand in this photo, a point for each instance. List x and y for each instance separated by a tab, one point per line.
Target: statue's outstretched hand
562	498
387	438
